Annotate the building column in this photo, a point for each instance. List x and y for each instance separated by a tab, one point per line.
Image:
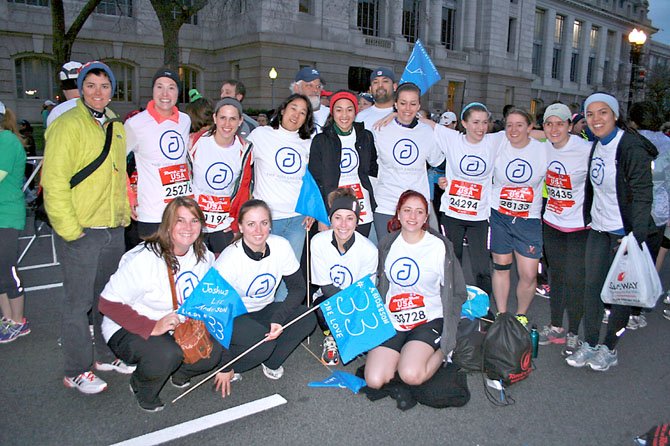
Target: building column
435	23
353	17
566	56
395	8
548	44
600	56
585	54
615	60
469	25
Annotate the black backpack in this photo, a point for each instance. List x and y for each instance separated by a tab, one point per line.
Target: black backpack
507	350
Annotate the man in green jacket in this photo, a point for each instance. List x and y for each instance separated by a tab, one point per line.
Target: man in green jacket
87	220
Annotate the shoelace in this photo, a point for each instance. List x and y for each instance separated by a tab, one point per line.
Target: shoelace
86	376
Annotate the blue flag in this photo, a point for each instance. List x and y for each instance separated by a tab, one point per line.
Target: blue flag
477	304
358	319
420	70
310	202
215	302
341	380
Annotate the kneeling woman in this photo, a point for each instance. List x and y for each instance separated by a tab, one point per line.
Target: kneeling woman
139	316
254	265
424	288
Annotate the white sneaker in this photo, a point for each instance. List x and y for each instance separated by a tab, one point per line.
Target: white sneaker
87	383
667	298
635	322
273	374
115	366
581	357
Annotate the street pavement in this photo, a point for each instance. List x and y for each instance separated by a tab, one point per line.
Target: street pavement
556	405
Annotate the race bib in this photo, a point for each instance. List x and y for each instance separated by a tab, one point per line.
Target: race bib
216	210
176	181
559	189
365	216
516	201
464	197
407	310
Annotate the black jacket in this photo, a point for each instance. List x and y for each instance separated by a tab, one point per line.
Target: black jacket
325	155
634	190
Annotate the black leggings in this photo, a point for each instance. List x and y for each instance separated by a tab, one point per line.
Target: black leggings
601	248
480	258
250	328
565	253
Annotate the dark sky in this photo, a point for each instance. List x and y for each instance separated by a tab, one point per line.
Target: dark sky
659	12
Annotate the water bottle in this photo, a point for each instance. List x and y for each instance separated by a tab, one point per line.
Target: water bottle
534	340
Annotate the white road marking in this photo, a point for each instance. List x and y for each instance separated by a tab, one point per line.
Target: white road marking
206	422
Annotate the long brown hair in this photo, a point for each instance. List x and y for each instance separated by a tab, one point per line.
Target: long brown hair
160	242
394	222
8	122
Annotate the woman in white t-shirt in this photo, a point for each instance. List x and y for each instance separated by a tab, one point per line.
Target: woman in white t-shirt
139	316
516	205
254	265
564	229
423	286
465	205
340	257
217	163
404	146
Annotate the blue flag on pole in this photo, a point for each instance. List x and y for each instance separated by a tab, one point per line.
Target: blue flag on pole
420	70
215	302
310	202
341	380
358	319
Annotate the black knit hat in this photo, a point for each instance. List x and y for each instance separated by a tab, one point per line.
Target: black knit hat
345	202
166	72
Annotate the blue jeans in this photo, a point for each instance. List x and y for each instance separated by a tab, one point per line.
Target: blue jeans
292	230
87	264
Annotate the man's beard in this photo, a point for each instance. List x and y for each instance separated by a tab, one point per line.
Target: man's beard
315	101
383	96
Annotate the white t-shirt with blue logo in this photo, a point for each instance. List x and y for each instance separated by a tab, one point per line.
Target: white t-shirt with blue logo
402	154
518	179
349	162
160	156
256	281
280	160
215	170
415	273
469	169
331	267
605	213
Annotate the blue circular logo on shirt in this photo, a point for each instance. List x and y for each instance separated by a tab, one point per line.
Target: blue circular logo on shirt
349	161
288	160
558	167
404	272
341	276
262	286
597	171
186	283
473	166
519	171
219	176
405	152
172	145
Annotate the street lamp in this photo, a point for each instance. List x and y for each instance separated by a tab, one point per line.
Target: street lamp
272	74
637	38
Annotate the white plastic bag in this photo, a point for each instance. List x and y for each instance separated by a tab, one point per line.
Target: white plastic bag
632	278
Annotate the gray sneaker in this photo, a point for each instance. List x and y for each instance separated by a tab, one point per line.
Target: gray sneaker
603	359
572	344
550	335
581	356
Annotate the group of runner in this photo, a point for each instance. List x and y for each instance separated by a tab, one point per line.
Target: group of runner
223	193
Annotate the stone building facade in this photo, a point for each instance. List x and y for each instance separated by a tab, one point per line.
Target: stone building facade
527	52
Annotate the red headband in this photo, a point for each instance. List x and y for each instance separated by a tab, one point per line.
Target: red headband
343	95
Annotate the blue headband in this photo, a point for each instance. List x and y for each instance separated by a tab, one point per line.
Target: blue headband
472	104
603	97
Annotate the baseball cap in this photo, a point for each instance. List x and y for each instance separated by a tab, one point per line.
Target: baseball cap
382	72
307	74
447	118
69	70
561	111
49	102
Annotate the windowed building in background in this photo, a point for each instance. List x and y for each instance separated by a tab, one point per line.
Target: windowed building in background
526	52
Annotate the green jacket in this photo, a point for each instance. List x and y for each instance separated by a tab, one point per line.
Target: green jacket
73	141
13	162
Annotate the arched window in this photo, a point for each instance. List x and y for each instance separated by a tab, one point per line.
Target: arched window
125	81
34	78
189	79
